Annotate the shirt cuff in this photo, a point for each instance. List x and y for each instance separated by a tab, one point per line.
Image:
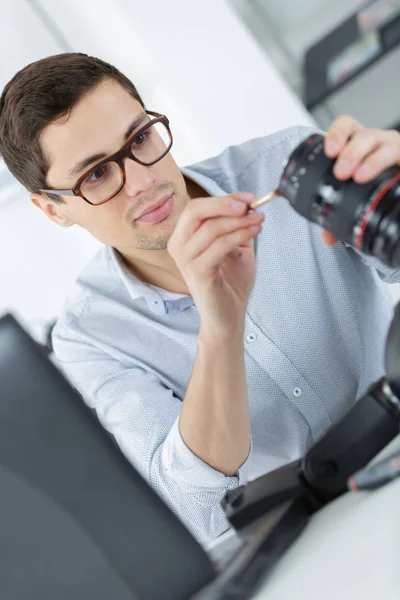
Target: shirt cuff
194	474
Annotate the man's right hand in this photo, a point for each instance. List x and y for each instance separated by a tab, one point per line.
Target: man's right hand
212	245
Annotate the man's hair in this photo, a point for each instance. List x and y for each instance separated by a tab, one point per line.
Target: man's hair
40	94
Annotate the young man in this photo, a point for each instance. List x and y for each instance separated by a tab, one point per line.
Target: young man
211	359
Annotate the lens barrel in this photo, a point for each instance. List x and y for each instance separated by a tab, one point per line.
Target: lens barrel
367	216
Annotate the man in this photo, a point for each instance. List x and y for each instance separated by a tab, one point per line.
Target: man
211	359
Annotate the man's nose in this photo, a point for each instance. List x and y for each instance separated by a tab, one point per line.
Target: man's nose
138	178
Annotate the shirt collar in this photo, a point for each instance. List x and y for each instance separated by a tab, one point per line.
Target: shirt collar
136	288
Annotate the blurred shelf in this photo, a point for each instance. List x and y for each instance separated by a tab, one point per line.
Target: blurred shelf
347	51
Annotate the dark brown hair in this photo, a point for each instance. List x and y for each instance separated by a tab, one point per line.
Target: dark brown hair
38	95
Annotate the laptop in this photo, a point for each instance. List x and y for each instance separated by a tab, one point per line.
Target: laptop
77	521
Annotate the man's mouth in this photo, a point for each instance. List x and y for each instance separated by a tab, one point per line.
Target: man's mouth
158	211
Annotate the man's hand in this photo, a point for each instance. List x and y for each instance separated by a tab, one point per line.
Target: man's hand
361	153
213	248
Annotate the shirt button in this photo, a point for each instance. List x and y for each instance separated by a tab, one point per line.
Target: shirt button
251	337
297	392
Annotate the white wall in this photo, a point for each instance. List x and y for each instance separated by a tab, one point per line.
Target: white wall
301	24
38	261
193	60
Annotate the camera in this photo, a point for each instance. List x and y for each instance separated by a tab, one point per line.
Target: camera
367	216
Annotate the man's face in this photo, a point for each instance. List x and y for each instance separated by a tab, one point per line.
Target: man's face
97	126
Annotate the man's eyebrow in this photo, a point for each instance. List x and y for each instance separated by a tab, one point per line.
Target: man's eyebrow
138	121
81	165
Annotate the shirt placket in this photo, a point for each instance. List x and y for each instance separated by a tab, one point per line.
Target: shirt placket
274	362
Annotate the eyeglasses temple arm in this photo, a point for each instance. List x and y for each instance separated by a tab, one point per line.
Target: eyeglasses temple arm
58	192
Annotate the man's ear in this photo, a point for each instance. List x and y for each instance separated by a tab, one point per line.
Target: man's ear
54	211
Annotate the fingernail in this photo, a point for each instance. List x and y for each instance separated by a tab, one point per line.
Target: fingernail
246	196
343	168
362	173
237	205
332	146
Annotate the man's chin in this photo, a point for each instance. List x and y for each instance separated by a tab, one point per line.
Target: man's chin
151	243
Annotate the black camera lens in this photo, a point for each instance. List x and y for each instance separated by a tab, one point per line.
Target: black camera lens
367	216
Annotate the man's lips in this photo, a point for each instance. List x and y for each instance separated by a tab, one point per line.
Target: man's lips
158	211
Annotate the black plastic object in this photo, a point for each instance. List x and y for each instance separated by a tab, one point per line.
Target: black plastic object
392	354
322	474
246	503
76	519
349	444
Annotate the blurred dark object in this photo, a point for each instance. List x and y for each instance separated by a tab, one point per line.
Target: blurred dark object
344	54
354	68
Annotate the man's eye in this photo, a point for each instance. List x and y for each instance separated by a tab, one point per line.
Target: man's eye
97	174
140	139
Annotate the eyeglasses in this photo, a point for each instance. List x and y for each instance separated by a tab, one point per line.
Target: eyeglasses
102	182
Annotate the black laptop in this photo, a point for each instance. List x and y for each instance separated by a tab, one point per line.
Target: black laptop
77	522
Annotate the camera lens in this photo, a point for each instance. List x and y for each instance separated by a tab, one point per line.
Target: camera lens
367	216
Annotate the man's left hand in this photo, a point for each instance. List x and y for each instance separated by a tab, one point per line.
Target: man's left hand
361	153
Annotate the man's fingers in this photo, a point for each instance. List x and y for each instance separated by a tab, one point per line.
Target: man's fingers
212	229
339	133
355	151
375	163
246	197
222	246
200	209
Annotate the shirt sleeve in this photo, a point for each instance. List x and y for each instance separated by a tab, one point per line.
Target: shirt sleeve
143	416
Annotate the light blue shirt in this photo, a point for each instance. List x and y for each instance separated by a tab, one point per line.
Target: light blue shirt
316	324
